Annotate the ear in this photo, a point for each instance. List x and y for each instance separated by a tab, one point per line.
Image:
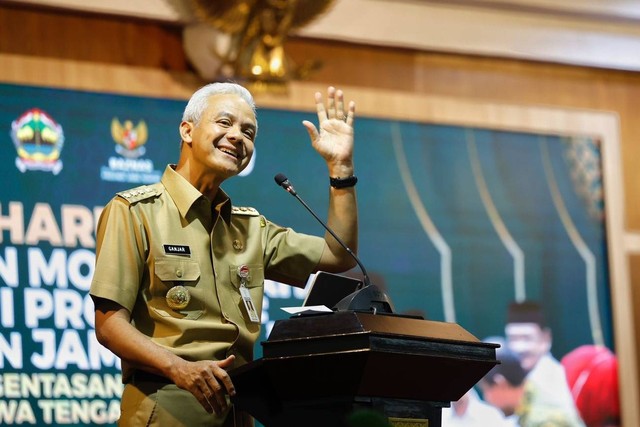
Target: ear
186	132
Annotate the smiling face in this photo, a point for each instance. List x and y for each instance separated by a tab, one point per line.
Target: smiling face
221	143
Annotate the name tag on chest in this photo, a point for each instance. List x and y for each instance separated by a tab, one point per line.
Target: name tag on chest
177	250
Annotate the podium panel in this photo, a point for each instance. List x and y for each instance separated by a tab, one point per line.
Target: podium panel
316	370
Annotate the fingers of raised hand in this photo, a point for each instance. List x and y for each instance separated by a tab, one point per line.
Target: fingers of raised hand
322	113
331	103
335	108
335	104
339	103
350	113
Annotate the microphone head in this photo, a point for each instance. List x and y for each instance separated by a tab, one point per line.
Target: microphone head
283	182
280	179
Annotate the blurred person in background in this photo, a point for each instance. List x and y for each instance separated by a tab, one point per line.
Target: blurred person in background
471	411
506	387
529	336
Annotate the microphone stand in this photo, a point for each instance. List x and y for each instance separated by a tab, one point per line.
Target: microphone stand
369	298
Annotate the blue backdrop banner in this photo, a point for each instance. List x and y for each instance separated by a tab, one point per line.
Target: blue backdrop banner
455	223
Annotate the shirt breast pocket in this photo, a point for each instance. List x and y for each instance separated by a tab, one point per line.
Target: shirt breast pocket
172	272
254	282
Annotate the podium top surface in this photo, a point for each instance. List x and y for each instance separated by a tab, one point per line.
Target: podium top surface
350	322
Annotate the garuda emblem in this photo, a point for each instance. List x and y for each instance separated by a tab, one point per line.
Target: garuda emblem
130	140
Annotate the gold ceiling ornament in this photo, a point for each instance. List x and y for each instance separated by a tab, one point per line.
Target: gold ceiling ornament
254	32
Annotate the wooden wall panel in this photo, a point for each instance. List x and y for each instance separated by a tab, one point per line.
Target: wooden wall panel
63	35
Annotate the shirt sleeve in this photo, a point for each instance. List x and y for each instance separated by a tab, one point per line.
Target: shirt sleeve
290	257
119	258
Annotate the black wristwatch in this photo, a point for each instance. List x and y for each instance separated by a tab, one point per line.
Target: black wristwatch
349	181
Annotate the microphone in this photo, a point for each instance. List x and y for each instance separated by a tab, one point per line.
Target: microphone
369	297
284	182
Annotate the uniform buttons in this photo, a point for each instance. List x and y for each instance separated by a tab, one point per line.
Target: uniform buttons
237	245
178	272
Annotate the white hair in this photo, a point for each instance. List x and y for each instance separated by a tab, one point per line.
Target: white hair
200	99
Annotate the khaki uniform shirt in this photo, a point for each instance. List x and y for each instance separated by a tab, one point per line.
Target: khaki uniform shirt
154	237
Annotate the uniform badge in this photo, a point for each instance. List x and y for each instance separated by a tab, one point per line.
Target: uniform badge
244	273
178	297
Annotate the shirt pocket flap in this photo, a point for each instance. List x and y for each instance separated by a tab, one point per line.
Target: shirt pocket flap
169	270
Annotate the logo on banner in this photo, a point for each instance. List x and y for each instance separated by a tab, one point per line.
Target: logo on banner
38	140
130	140
130	165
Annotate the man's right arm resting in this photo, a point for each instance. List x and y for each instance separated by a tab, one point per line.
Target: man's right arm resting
207	380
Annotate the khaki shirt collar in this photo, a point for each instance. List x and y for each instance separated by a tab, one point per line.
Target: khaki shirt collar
185	195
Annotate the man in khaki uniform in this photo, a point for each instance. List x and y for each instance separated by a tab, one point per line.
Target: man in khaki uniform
179	274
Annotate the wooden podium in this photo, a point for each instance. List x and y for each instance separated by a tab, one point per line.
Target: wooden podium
318	370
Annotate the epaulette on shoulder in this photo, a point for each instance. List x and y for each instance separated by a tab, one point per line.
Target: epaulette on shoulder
139	193
236	210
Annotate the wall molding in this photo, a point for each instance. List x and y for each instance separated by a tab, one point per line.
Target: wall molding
587	33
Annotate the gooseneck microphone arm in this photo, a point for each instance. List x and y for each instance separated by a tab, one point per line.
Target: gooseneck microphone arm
283	182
